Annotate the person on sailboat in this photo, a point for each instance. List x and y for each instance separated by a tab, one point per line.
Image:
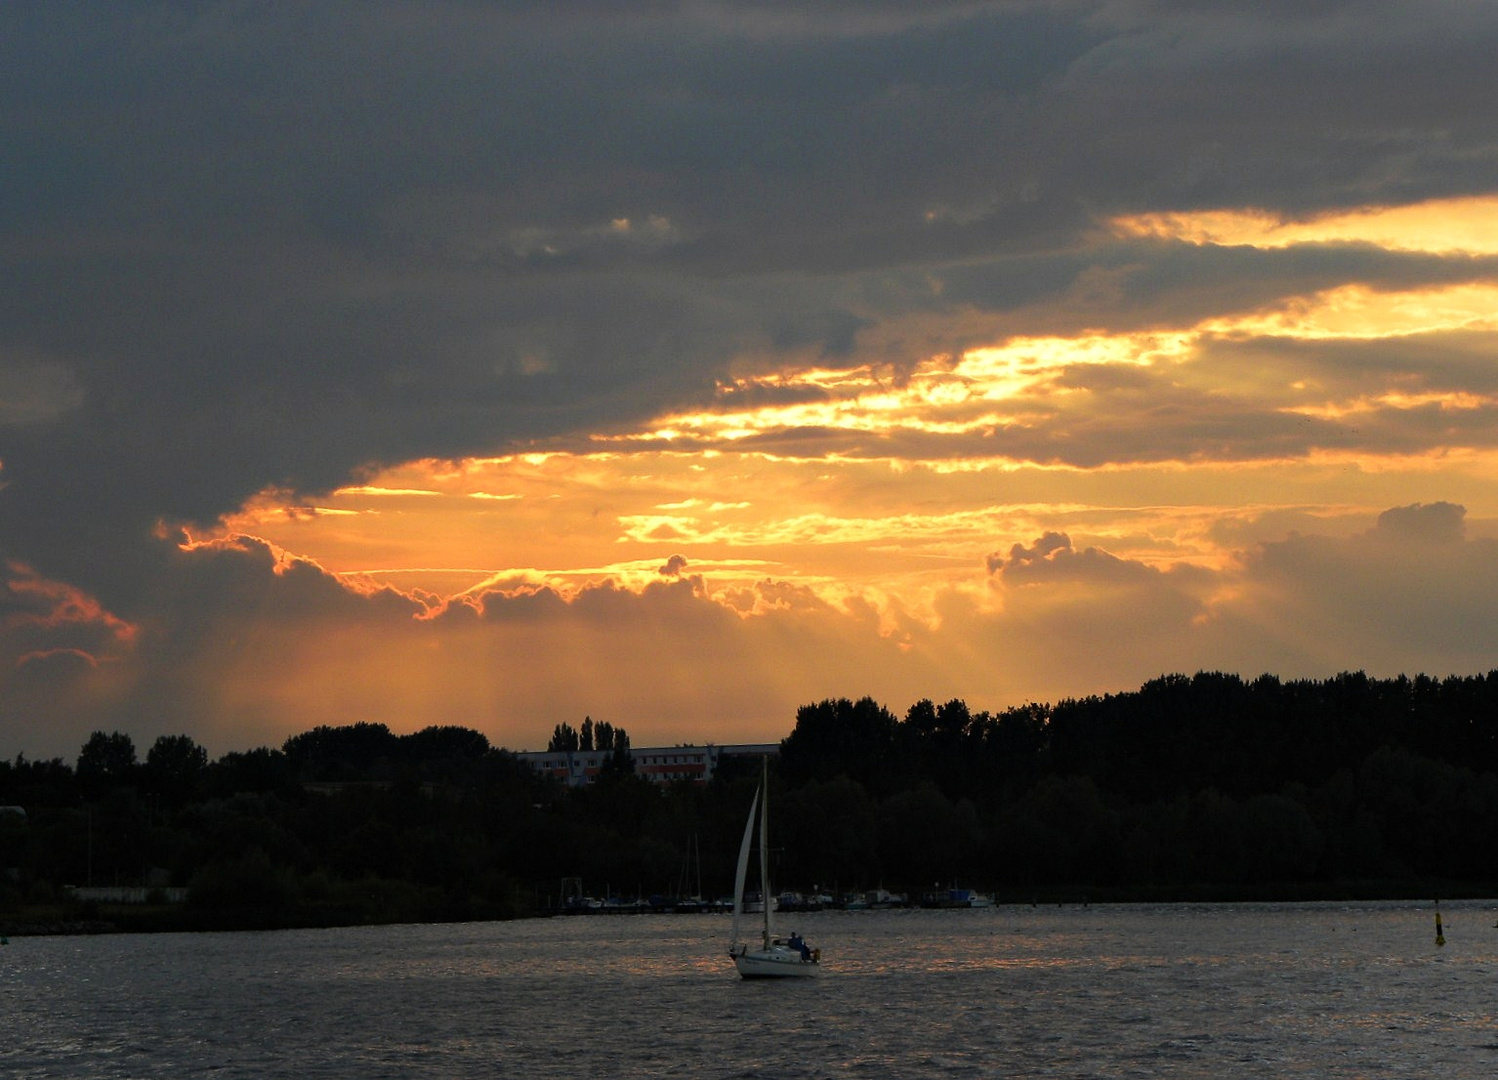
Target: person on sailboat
798	943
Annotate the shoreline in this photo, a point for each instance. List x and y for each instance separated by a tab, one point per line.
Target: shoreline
174	919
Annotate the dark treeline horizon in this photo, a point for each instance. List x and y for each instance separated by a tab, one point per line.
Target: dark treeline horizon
1204	786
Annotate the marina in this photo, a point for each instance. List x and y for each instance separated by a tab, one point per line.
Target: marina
870	900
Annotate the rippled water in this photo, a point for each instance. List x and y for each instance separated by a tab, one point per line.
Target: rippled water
1109	991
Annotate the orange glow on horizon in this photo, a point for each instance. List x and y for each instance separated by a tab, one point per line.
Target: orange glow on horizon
837	524
885	504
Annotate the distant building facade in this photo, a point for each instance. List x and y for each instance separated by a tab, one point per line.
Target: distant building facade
658	764
128	894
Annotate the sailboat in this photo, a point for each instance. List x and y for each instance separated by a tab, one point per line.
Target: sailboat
690	902
775	958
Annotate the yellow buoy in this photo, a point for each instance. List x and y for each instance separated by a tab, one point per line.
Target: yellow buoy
1440	937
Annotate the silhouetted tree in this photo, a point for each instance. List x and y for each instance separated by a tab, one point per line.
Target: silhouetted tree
858	739
174	768
829	832
362	751
106	761
446	754
927	837
620	760
49	782
444	741
259	770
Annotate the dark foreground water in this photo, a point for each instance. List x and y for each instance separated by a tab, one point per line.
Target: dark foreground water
1253	990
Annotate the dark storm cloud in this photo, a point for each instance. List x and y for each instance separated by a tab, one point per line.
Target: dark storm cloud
1236	104
251	245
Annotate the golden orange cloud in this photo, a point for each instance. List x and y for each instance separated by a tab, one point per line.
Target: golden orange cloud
54	605
1358	312
1466	225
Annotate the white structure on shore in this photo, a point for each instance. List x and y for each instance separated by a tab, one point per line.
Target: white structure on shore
658	764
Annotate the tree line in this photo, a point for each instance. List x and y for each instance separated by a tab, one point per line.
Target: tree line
1206	786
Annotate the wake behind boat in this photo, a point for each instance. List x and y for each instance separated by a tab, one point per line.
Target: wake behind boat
775	958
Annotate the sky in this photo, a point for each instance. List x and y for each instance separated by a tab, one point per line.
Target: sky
677	364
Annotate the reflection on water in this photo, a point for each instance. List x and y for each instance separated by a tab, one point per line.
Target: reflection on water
1187	990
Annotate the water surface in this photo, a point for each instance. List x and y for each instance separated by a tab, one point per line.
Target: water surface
1251	990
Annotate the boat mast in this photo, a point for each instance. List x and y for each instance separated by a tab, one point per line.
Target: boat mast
764	845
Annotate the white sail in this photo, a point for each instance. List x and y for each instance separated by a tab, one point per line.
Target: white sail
743	872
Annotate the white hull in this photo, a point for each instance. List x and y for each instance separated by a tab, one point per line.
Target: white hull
776	963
